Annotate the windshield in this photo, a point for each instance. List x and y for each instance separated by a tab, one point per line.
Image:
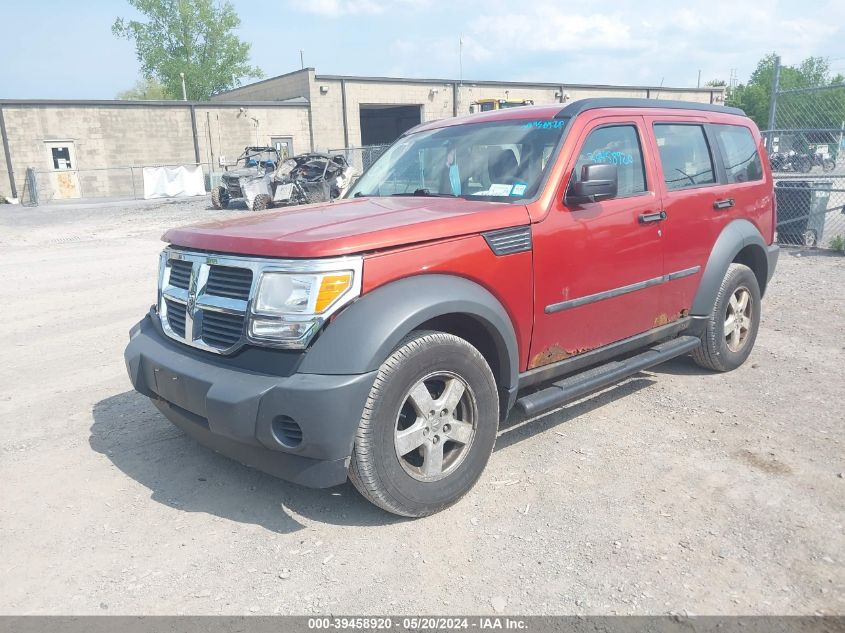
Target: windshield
499	161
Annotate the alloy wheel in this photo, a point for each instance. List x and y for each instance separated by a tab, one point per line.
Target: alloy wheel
435	426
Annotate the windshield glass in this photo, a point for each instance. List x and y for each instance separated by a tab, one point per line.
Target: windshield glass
500	161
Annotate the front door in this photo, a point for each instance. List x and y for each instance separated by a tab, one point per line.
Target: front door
284	144
64	179
599	265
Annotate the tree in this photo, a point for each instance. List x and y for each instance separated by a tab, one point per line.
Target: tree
146	90
194	37
755	96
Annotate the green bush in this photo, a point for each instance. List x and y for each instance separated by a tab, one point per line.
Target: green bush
837	243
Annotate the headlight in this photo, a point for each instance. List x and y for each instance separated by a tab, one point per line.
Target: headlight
289	307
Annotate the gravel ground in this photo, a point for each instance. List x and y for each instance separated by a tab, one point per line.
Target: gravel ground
676	491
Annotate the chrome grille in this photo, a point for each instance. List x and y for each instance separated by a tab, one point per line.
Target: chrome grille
228	281
176	316
180	273
204	300
220	329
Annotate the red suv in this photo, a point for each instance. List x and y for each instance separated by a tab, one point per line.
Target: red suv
514	258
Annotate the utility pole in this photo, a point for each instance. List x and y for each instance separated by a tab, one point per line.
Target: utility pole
184	91
461	60
698	83
773	101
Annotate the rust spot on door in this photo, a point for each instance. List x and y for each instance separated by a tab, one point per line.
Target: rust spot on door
665	319
554	354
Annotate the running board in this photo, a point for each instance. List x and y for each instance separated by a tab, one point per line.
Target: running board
563	391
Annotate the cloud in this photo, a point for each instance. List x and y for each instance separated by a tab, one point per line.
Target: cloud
339	8
548	27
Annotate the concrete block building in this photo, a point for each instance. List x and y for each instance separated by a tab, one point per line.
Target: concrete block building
98	148
351	111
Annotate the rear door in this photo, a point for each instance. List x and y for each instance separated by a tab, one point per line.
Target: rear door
598	266
708	176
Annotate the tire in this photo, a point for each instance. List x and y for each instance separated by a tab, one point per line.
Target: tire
828	164
717	351
809	238
262	201
220	197
426	369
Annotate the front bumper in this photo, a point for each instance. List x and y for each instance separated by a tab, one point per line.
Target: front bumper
243	414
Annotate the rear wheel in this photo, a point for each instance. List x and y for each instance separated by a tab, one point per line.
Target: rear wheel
220	197
732	326
828	164
428	427
262	201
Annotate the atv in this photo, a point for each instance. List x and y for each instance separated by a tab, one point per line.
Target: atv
310	178
249	180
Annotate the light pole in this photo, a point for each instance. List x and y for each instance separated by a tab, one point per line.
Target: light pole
184	91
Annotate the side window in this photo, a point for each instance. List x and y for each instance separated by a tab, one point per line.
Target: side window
684	155
742	162
616	145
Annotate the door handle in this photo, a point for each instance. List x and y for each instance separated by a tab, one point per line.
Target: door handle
648	218
727	203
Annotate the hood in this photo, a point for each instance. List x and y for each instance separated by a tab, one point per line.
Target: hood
349	226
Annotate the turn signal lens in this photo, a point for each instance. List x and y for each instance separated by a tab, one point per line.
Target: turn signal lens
332	287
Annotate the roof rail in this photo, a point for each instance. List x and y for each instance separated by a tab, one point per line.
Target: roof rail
582	105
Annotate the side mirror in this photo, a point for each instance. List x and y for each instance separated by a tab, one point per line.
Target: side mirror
597	182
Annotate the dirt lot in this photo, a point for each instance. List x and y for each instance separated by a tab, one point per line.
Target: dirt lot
676	491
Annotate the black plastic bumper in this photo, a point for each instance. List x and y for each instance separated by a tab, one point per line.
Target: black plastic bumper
240	413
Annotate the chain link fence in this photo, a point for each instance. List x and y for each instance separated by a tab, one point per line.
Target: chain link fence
806	145
126	183
361	158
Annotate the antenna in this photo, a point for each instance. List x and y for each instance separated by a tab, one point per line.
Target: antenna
302	58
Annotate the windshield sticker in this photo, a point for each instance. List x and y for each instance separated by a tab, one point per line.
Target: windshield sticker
519	189
495	190
611	158
545	125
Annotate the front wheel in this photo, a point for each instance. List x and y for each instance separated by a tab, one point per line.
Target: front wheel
732	325
220	197
428	427
828	164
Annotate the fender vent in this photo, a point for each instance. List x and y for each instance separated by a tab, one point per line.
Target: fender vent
509	241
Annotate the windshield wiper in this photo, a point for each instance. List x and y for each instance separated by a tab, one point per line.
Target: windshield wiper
426	193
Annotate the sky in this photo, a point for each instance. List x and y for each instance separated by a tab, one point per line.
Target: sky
65	50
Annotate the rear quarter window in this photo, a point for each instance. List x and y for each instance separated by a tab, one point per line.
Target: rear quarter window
739	152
